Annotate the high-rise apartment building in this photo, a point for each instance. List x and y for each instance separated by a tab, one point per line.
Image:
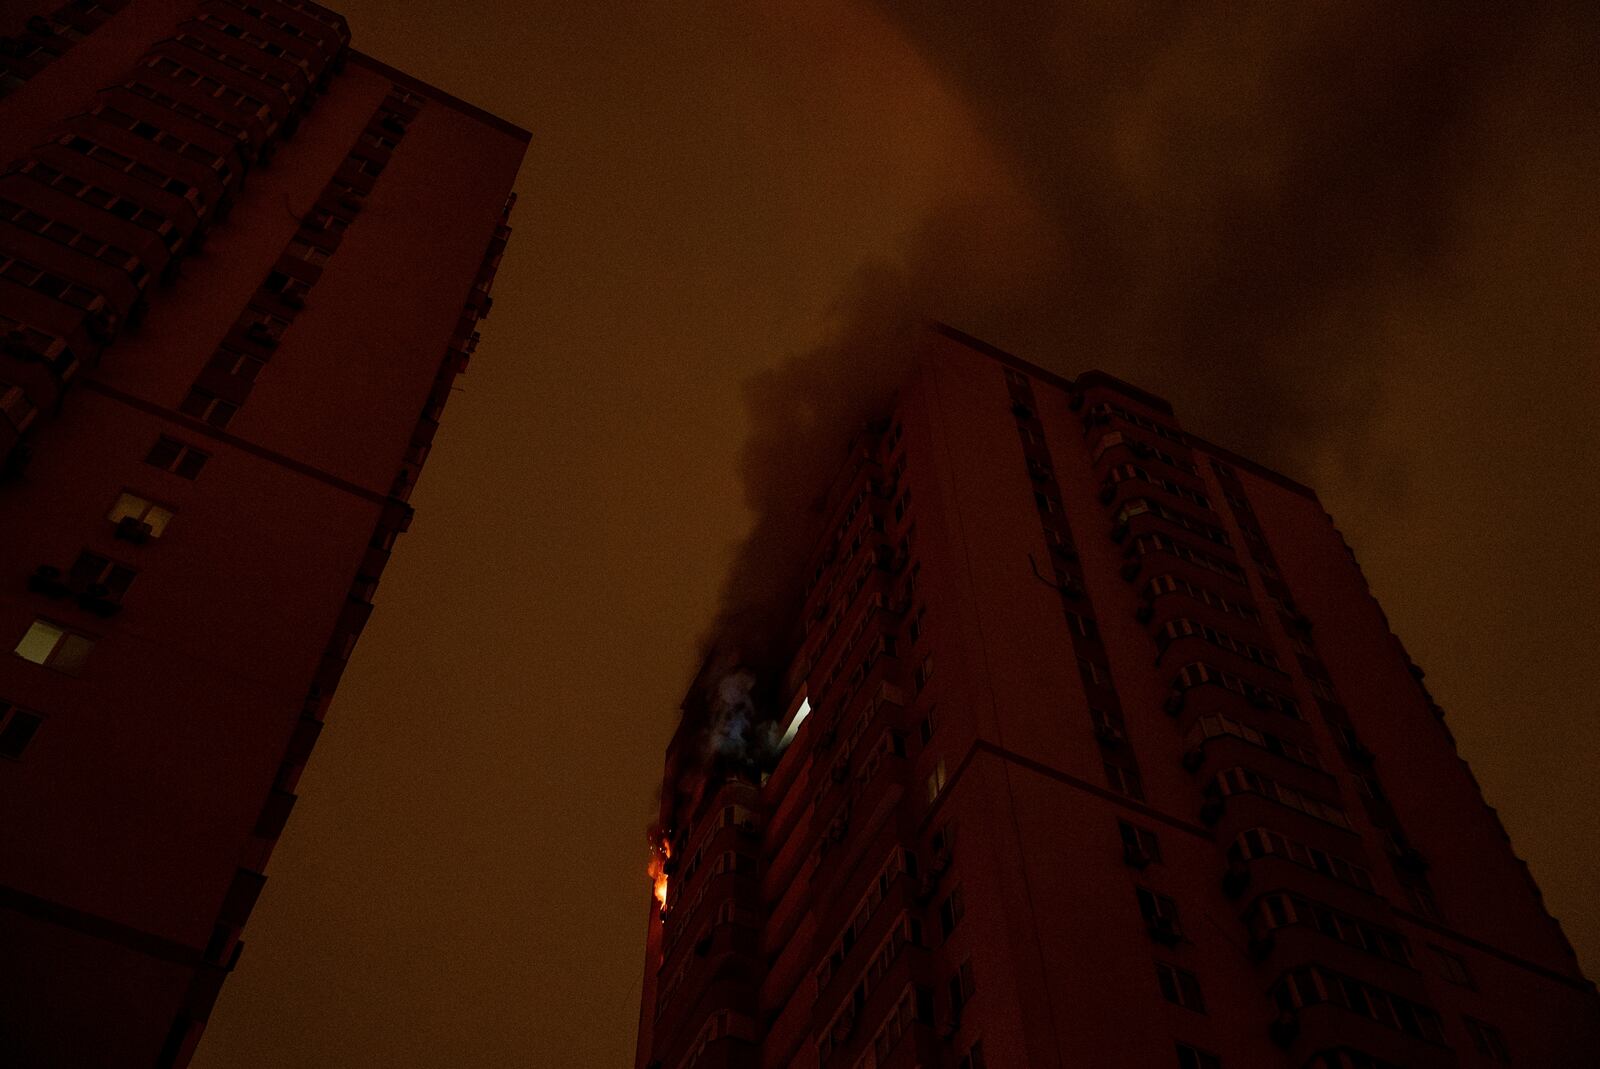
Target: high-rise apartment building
1092	749
240	267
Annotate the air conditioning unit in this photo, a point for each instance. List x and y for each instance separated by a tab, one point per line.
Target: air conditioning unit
132	529
46	579
96	598
1193	759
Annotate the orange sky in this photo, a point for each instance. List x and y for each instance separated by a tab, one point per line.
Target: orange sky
462	883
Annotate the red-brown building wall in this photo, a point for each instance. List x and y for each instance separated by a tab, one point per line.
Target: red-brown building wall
1001	642
138	818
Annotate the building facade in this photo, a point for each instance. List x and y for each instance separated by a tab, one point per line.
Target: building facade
1095	751
240	267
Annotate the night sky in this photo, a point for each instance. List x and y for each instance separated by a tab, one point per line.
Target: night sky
1359	245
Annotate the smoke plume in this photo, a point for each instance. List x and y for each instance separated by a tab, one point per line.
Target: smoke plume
1232	204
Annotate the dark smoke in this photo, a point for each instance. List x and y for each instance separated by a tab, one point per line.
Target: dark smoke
1215	201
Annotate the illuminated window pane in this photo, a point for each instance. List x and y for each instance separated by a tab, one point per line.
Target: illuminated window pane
127	505
40	642
157	518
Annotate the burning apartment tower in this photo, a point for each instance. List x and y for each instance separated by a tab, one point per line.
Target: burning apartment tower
1094	750
240	267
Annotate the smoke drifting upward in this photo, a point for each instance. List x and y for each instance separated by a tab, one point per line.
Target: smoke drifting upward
1235	205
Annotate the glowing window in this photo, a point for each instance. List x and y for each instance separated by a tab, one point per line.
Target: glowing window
55	647
145	512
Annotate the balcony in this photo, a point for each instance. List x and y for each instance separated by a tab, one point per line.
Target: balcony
1218	752
1241	812
1312	1029
897	903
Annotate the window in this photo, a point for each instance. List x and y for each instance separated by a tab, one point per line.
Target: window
1487	1038
91	570
1082	626
308	252
1139	842
1160	914
961	989
55	647
1451	967
950	912
926	727
1047	504
924	672
1108	725
1422	900
1124	781
174	456
1195	1058
207	406
238	365
264	326
15	406
973	1059
936	780
1180	986
17	728
132	505
286	285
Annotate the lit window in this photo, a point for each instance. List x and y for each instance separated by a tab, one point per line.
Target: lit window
153	516
55	647
936	780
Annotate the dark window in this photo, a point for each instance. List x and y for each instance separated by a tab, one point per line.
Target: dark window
17	728
973	1059
1452	967
950	913
961	989
202	404
1487	1038
1180	986
169	454
1140	841
1124	781
1159	911
1195	1058
91	569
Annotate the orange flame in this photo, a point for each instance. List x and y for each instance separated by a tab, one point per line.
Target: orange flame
660	852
